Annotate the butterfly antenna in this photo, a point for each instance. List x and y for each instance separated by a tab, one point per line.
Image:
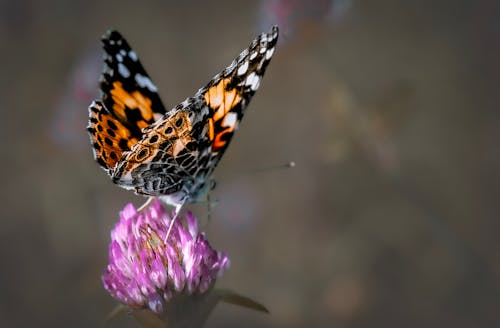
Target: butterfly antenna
287	165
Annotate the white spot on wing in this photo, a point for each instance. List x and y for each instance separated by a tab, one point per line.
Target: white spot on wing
230	119
122	52
269	53
252	80
119	58
243	68
145	82
132	55
253	55
123	70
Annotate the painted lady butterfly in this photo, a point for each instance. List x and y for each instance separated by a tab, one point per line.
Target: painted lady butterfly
169	154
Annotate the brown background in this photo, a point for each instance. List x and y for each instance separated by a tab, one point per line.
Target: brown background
389	109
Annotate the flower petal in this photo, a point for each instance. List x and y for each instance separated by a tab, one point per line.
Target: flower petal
146	271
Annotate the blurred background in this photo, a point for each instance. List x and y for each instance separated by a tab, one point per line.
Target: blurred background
389	109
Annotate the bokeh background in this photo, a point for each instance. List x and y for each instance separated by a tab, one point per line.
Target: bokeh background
389	109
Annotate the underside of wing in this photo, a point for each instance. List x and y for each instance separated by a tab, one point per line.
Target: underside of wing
164	158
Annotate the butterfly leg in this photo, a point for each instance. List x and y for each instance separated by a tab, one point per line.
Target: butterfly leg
211	203
209	207
178	208
146	204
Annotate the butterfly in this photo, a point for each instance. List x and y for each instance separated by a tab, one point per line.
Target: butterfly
169	154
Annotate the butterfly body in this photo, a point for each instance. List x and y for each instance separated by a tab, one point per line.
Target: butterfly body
169	154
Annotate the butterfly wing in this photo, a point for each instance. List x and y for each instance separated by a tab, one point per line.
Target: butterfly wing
178	153
129	103
227	95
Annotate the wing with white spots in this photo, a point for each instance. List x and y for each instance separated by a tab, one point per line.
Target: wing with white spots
129	103
227	95
176	154
127	91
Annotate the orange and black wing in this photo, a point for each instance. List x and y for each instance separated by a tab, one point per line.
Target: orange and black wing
180	151
227	95
129	102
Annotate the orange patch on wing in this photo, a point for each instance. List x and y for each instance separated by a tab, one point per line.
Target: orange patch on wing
218	142
210	129
134	99
108	134
221	100
214	95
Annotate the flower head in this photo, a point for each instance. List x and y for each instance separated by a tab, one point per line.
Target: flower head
146	271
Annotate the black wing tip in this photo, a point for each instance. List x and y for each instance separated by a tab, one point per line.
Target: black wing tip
113	40
270	38
111	34
274	31
272	34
